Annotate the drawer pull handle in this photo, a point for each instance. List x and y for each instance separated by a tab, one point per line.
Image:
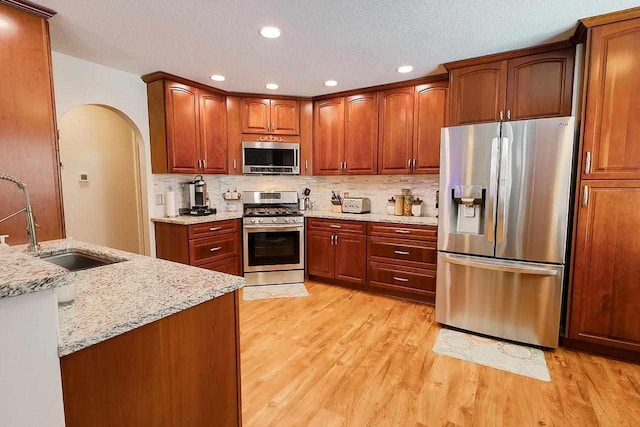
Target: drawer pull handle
402	252
335	226
215	249
400	279
215	228
400	231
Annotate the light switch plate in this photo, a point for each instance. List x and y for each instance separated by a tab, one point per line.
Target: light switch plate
159	200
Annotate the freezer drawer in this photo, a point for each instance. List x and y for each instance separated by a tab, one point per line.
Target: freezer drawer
513	300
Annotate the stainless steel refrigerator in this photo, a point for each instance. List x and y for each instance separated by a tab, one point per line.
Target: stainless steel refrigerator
505	194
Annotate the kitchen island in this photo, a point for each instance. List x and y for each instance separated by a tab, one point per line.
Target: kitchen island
146	341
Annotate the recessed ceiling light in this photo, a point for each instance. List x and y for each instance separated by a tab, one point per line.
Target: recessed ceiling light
217	78
331	83
272	86
405	69
270	32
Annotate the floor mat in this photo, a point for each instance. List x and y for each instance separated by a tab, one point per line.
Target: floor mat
294	290
502	355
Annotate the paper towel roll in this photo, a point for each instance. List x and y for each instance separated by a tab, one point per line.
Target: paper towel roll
170	203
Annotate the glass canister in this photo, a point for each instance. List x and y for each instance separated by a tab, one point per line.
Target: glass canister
391	206
408	205
399	209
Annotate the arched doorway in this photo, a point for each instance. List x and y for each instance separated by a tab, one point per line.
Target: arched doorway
101	178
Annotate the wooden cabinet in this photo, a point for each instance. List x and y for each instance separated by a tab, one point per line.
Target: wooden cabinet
328	140
540	85
336	250
402	260
429	111
361	135
270	116
477	93
188	129
212	245
606	288
165	373
28	142
527	84
612	125
306	137
396	131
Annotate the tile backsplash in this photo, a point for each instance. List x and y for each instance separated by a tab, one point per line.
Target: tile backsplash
379	188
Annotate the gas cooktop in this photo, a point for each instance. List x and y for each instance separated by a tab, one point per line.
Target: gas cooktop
271	211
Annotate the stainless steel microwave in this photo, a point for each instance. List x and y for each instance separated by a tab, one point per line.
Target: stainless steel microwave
270	158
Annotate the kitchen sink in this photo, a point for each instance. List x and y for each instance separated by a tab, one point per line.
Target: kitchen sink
74	261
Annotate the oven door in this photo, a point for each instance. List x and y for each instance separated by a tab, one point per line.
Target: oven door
273	248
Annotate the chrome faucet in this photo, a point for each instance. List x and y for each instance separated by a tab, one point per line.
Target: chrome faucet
31	224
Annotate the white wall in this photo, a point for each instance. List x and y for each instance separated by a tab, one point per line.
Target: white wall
79	82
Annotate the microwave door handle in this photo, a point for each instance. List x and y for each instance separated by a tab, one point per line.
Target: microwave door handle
496	265
493	189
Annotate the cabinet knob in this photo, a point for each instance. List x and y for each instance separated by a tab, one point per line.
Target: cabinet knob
501	115
508	114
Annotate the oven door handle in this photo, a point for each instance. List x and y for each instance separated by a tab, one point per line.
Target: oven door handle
274	227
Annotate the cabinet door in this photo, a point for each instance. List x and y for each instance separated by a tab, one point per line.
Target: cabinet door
612	128
213	132
351	258
285	117
396	131
540	85
429	116
361	134
255	115
306	137
478	93
320	254
230	266
328	141
606	289
183	136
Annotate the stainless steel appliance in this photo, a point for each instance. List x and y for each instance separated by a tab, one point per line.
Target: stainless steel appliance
273	229
356	205
505	192
196	200
270	158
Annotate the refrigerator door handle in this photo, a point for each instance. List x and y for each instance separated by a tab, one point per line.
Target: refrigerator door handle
504	187
497	265
493	189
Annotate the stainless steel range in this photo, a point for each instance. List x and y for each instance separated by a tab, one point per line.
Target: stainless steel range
273	229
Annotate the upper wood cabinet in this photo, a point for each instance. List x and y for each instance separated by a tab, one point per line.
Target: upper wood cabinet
328	136
188	128
612	123
361	134
396	131
429	118
521	85
540	85
606	290
270	116
478	93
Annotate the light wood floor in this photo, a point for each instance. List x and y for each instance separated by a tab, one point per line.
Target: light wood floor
347	358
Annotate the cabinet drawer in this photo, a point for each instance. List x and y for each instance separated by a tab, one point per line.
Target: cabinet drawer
406	277
227	265
203	251
408	252
405	231
357	227
214	228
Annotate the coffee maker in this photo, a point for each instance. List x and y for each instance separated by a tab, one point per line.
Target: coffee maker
196	198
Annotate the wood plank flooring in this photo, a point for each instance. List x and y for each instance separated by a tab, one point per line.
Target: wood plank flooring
348	358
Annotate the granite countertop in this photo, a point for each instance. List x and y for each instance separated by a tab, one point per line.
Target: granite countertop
392	219
189	220
21	273
116	298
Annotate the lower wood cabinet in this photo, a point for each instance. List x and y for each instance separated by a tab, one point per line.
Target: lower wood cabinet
337	250
398	260
182	370
212	245
605	296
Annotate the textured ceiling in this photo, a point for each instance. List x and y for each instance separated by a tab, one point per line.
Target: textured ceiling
356	42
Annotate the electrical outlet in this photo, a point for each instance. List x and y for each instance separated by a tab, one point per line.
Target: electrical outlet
159	200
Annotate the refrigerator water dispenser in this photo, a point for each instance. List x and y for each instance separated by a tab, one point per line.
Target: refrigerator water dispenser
470	201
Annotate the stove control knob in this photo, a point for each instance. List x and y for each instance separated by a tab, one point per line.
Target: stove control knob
260	220
274	220
253	221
